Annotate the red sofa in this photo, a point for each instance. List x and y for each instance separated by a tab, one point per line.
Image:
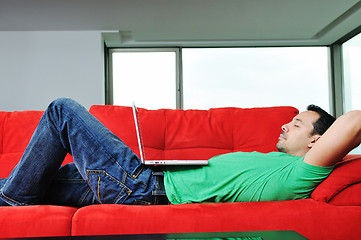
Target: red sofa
332	212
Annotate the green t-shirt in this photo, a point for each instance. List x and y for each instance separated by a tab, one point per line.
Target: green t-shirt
244	177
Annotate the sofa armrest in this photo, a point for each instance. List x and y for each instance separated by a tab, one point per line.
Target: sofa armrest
343	186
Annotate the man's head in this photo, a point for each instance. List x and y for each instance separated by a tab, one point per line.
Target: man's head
298	136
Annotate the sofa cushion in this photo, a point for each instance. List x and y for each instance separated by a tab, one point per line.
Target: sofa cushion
312	219
343	186
35	221
258	129
198	134
16	129
2	121
350	196
7	163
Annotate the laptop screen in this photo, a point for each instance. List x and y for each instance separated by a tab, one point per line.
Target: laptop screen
139	132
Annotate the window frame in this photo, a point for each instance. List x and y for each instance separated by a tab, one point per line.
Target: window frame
109	98
336	86
337	91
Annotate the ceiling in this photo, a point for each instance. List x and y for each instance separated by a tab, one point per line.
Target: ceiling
190	22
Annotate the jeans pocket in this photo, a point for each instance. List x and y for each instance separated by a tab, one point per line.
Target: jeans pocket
106	188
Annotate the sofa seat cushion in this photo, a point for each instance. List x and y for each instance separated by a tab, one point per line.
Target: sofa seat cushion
35	221
343	186
312	219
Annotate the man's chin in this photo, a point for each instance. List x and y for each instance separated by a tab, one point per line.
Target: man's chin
280	148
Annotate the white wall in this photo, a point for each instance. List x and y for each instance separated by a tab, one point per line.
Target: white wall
37	67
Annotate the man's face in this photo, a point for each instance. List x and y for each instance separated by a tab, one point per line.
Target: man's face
296	138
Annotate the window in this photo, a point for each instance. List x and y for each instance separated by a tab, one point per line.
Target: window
221	77
351	51
255	77
145	76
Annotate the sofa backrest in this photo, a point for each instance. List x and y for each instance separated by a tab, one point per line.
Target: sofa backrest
181	134
16	129
201	134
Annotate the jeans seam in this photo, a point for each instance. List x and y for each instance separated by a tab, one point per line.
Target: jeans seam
69	180
128	193
98	189
10	199
81	200
156	186
103	172
127	189
137	172
88	132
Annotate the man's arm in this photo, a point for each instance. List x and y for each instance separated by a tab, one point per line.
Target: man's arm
343	136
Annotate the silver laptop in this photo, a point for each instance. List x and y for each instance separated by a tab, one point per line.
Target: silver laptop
158	161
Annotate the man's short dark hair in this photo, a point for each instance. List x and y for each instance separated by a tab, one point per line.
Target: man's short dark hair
323	123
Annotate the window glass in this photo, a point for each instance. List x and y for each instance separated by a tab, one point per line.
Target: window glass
147	78
352	73
255	77
223	77
351	51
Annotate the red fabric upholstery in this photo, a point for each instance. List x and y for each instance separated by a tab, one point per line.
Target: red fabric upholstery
35	221
187	134
16	130
2	121
197	133
343	186
311	219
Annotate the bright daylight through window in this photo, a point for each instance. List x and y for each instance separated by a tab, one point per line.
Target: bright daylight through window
352	76
352	73
224	77
255	77
147	78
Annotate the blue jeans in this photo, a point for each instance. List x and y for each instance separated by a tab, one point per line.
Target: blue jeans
105	170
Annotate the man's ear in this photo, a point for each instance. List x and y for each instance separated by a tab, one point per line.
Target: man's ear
314	139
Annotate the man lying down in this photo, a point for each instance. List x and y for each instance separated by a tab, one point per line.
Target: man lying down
105	170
